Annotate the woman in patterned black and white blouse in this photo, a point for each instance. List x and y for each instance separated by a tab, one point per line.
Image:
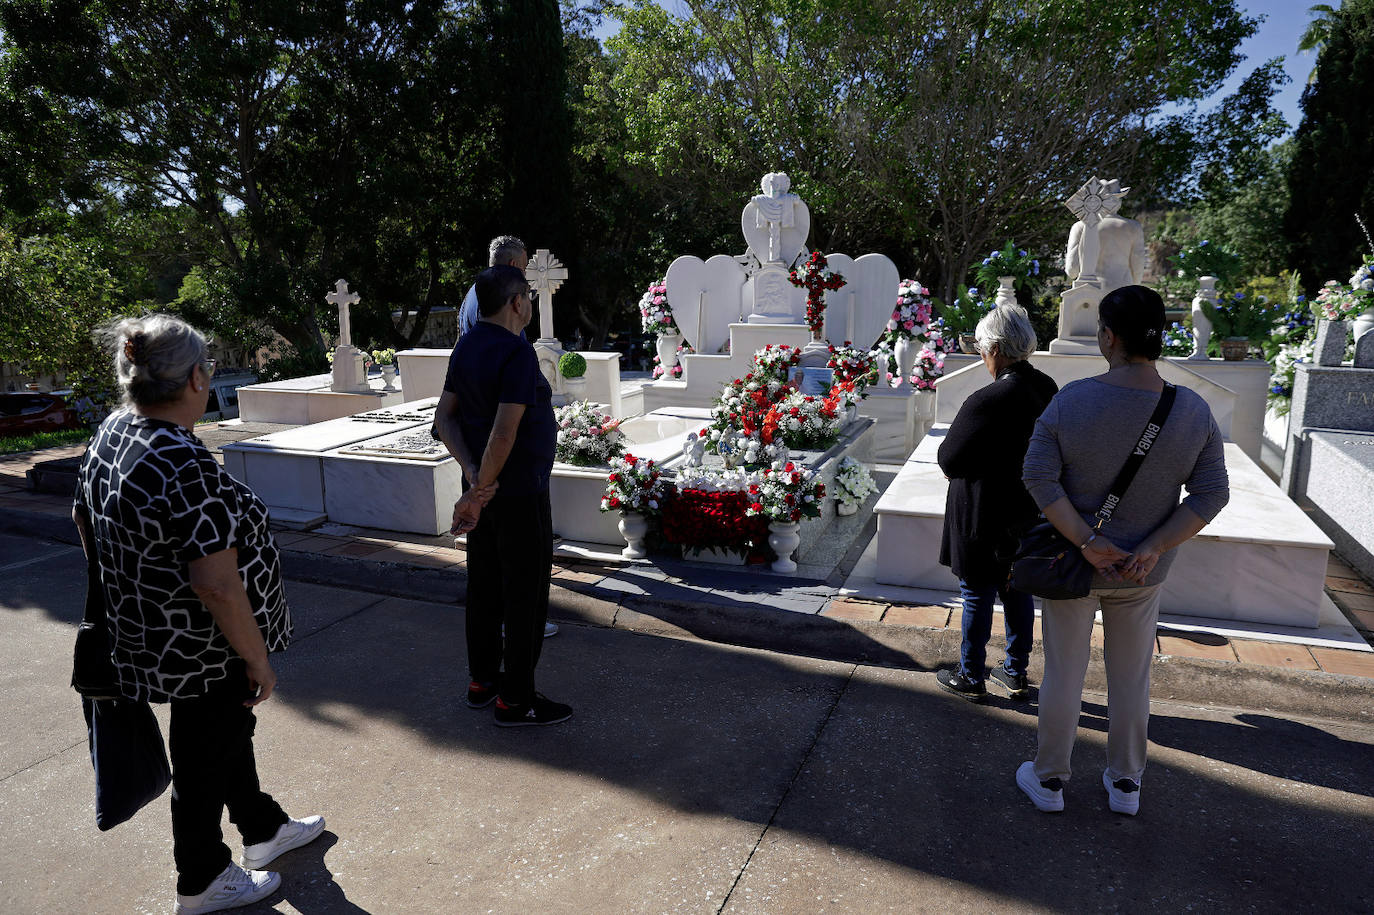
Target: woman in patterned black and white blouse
192	580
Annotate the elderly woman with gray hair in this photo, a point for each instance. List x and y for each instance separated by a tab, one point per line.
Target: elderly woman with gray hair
193	589
987	506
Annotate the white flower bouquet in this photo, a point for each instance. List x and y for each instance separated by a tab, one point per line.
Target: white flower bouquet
634	485
586	436
853	482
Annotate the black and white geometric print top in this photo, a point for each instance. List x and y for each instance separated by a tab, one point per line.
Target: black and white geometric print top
157	500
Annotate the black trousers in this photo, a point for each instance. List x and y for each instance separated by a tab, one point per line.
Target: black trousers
510	559
211	747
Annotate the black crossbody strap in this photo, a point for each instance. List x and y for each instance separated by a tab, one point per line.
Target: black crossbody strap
1142	448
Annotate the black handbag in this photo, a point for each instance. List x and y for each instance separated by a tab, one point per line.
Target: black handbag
127	752
93	669
128	755
1046	563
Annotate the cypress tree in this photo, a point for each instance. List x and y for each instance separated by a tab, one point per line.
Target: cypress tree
1331	178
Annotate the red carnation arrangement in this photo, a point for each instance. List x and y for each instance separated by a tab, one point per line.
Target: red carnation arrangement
817	278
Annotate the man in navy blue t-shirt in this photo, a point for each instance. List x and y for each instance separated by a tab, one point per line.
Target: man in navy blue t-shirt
496	419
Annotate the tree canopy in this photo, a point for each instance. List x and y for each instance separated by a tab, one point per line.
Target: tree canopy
1331	176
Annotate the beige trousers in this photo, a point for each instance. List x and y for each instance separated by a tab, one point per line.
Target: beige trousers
1129	616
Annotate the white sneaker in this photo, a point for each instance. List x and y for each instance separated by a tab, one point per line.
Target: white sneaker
292	834
234	887
1043	795
1123	796
550	629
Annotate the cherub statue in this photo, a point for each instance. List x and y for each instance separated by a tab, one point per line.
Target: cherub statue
693	450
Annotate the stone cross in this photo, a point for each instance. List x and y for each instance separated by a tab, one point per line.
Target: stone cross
343	298
1092	201
545	274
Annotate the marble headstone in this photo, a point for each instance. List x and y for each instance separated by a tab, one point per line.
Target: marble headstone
706	298
1330	346
773	299
1364	352
859	310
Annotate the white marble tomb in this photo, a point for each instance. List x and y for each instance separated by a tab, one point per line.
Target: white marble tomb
1260	560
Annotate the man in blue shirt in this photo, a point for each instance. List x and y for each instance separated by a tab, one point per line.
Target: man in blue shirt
495	416
504	249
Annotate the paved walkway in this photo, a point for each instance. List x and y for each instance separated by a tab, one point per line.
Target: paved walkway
695	777
764	610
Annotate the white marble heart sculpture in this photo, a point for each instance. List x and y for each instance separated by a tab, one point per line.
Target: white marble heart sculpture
859	310
706	298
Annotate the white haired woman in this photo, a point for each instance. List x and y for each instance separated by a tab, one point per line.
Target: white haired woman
192	583
987	506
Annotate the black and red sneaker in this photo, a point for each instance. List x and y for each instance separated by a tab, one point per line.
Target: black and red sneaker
481	695
541	711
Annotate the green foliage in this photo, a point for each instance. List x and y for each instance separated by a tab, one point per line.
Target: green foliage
1331	175
54	294
1207	259
1008	261
290	363
1240	315
968	308
572	365
38	441
928	133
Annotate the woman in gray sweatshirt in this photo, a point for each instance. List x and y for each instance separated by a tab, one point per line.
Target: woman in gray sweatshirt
1079	445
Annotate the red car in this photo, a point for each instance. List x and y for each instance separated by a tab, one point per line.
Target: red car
27	412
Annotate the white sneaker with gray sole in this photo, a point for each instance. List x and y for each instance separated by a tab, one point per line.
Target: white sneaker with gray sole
292	834
1046	796
1123	795
234	887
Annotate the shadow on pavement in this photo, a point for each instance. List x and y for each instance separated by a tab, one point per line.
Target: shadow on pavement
877	764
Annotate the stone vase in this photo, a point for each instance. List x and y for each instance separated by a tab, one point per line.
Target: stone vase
846	508
633	526
388	378
906	350
783	538
1234	349
851	413
575	388
1364	323
667	345
1006	290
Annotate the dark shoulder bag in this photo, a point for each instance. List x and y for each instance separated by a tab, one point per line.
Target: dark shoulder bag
1047	564
127	753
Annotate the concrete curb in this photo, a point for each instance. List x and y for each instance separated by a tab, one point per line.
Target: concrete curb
754	625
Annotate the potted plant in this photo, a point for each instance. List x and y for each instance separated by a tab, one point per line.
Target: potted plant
573	369
586	437
1239	319
962	316
634	488
1009	269
784	494
386	359
853	484
656	317
910	319
705	516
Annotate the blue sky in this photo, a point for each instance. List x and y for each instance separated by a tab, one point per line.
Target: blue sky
1284	21
1277	36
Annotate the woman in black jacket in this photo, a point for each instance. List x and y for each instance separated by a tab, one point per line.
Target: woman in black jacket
987	505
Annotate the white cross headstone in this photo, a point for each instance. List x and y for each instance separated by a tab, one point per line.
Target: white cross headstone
545	274
349	372
343	299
